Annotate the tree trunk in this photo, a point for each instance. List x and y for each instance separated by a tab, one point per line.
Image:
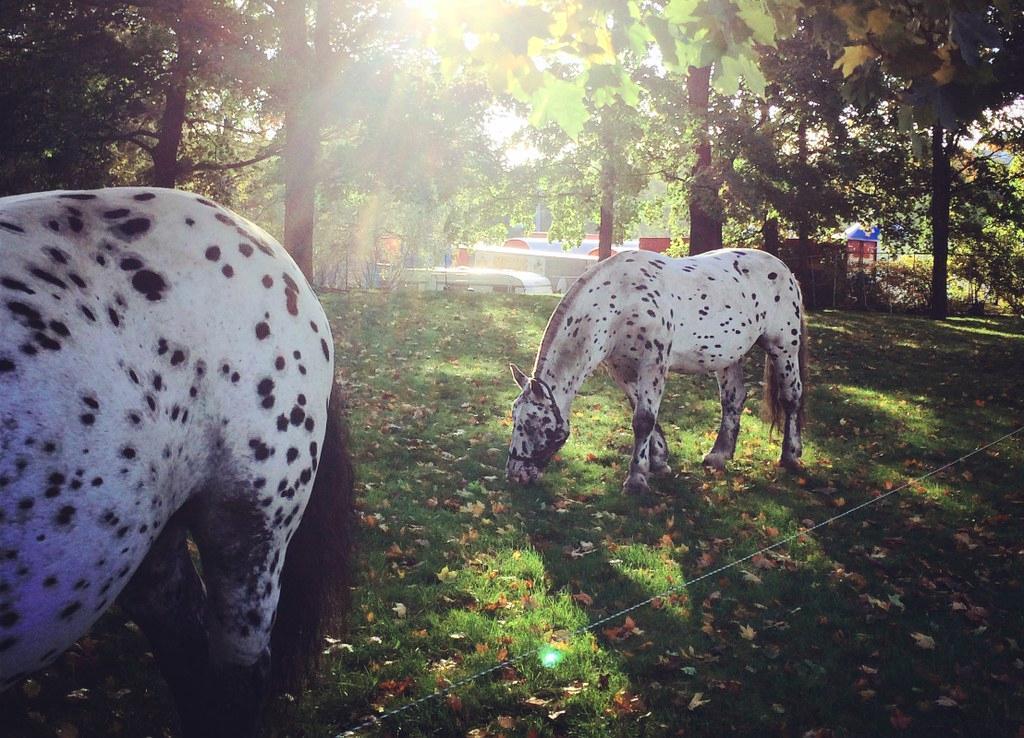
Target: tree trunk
803	228
172	121
298	166
301	135
705	227
942	179
770	232
606	229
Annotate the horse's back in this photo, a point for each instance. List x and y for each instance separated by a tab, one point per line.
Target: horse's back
154	347
707	311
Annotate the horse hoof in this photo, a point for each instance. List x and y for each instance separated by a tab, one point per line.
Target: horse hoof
714	462
636	486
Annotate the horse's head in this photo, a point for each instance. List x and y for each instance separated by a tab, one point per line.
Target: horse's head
538	429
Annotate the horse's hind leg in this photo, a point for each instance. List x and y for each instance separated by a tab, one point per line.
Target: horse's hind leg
733	392
166	599
788	387
242	553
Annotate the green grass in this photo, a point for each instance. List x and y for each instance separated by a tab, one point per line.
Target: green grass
457	570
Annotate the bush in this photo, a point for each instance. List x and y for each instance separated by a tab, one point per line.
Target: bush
897	286
904	285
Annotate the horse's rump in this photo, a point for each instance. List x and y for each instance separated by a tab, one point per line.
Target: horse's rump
166	368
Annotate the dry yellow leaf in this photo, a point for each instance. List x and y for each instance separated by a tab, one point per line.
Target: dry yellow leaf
853	57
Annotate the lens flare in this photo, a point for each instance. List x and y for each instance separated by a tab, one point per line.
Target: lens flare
550	657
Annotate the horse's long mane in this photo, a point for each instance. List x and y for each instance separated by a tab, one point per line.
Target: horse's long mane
557	319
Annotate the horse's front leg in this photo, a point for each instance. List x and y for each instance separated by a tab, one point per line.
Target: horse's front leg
733	393
645	422
625	374
659	452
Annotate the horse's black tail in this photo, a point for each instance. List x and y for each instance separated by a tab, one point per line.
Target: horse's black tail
317	567
774	410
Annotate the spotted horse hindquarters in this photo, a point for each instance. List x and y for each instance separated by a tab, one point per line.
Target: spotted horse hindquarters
123	428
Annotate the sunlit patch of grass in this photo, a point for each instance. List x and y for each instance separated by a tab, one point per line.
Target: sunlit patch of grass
656	571
973	328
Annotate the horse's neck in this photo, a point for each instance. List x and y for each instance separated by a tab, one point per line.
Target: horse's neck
565	361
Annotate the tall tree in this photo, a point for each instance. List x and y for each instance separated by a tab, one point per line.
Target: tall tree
946	57
705	204
594	178
130	109
304	52
57	130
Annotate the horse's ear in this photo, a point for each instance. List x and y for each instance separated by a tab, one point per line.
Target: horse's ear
519	375
537	389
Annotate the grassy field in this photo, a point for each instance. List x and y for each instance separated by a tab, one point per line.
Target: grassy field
905	618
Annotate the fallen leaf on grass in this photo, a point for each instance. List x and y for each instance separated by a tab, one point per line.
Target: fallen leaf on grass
447	575
584	548
697	701
627	629
923	641
627	703
583	598
476	509
395	687
899	719
499	604
747	632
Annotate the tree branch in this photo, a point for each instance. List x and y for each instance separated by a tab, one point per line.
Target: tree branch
133	137
212	166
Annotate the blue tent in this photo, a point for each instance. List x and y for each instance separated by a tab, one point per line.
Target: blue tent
857	233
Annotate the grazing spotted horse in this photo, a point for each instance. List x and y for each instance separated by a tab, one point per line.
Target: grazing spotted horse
641	315
165	371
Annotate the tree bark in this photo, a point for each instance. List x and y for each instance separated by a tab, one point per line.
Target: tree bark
301	135
705	227
165	169
770	232
606	229
803	229
942	179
